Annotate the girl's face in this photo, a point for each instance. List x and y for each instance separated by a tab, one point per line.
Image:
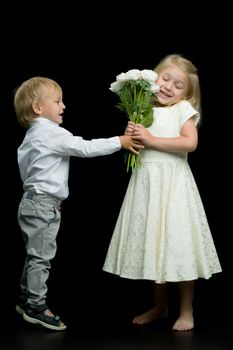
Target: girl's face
51	105
173	84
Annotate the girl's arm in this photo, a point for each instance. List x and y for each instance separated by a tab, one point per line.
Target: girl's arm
186	142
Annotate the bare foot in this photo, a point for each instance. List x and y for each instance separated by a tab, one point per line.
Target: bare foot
149	316
184	323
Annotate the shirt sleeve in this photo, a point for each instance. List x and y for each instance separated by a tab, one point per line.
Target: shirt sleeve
67	144
186	112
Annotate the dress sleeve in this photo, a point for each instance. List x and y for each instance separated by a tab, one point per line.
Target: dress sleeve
186	112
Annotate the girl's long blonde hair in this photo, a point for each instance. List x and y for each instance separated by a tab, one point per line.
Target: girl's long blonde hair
193	94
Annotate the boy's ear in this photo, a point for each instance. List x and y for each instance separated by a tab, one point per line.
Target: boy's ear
36	108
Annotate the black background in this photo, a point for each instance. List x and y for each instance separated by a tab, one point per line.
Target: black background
83	47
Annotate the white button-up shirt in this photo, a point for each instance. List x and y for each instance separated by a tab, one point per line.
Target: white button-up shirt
44	155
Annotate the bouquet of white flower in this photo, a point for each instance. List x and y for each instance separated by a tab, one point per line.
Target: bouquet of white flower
137	91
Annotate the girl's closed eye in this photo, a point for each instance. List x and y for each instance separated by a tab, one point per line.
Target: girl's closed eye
179	86
165	77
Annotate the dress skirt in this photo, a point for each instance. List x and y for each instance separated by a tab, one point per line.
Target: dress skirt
162	233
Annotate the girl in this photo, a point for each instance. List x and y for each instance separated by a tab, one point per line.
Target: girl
162	233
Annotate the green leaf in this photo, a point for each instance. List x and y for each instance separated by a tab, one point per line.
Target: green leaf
148	117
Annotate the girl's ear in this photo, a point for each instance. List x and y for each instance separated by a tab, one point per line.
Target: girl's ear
36	107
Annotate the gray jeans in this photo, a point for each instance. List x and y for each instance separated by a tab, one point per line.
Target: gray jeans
39	220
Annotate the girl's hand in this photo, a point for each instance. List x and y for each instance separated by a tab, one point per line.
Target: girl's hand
140	133
130	128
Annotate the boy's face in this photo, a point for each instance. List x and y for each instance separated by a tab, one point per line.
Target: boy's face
50	106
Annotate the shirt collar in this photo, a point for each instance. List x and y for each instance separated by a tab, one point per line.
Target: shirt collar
42	120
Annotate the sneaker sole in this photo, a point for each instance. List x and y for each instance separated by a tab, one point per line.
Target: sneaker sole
46	325
19	310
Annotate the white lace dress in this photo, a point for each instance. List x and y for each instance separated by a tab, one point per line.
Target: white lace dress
162	233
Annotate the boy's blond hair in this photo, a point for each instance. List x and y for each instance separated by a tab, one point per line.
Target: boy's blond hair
29	92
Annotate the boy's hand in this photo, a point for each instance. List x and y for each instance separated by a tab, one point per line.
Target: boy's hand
128	143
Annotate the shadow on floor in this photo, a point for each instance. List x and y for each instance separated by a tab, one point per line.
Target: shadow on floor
213	331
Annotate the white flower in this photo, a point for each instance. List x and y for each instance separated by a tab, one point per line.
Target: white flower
116	86
122	77
154	87
133	74
149	75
